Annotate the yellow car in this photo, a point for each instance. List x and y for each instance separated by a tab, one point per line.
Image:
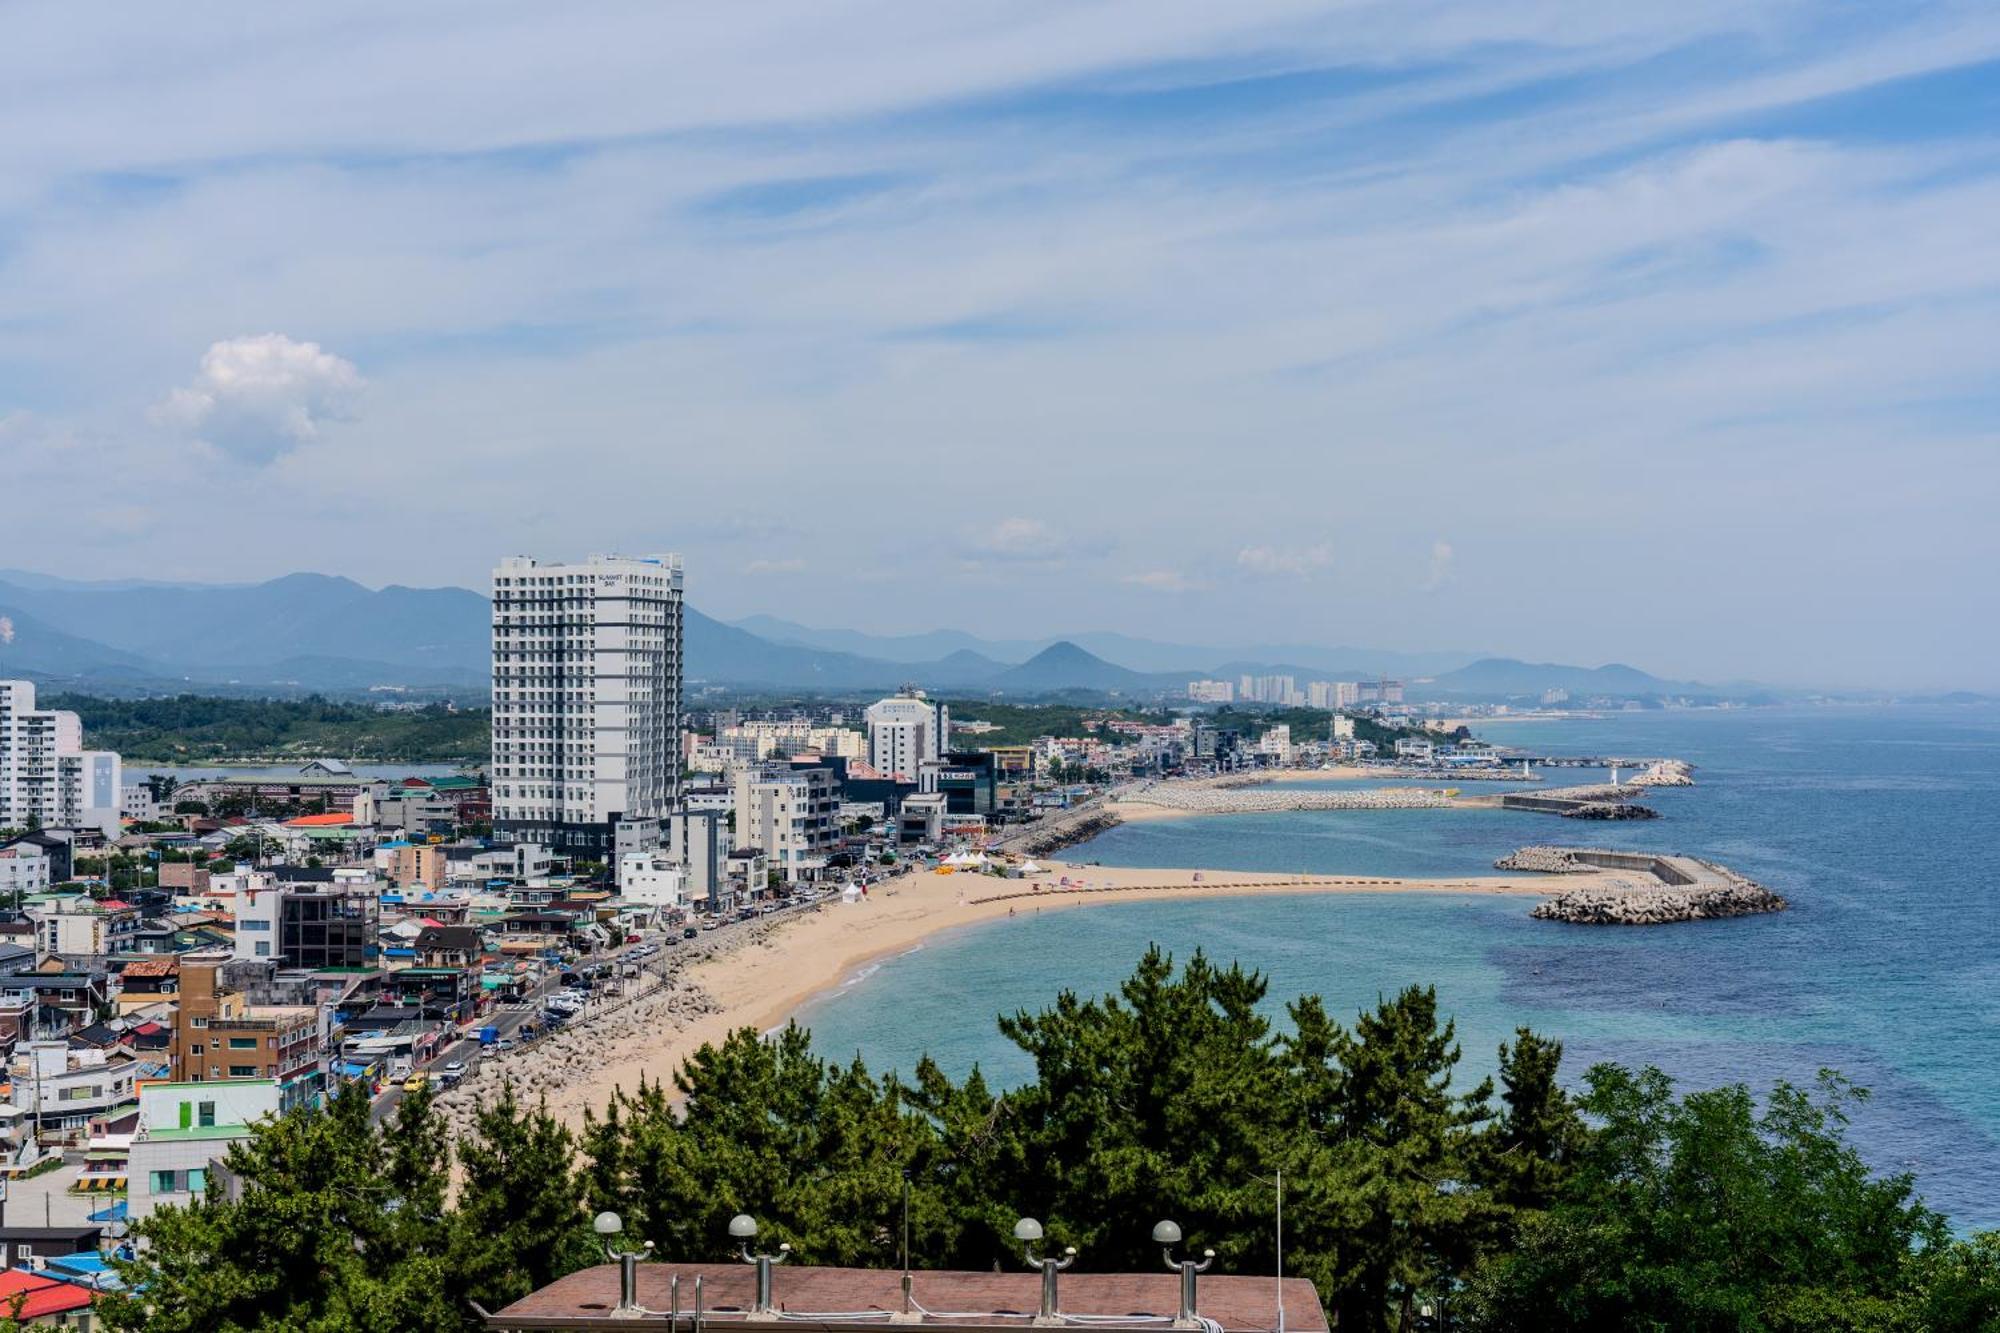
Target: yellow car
416	1082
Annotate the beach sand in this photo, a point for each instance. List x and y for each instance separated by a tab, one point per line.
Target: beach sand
767	981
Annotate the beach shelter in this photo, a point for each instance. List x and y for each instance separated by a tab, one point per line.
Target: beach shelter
1032	869
851	893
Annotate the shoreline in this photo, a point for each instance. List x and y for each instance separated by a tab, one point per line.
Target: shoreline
771	975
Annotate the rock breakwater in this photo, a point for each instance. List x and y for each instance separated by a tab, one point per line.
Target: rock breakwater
1646	890
1211	800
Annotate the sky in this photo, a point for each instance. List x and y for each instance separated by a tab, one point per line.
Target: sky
1666	334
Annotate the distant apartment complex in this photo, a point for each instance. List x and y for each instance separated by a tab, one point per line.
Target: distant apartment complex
1211	692
905	733
586	699
47	778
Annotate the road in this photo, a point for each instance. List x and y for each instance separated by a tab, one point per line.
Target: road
509	1018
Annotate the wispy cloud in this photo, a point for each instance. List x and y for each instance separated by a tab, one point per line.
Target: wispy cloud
1158	277
1296	562
1163	580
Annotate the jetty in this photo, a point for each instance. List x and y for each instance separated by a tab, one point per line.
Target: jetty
1235	800
1650	888
1603	801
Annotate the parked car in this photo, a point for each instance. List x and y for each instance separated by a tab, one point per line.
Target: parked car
416	1082
689	933
456	1068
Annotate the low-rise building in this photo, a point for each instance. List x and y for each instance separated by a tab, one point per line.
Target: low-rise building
220	1036
183	1130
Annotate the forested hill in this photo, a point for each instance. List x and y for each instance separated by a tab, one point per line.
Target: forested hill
192	728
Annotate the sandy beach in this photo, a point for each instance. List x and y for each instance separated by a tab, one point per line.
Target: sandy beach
767	980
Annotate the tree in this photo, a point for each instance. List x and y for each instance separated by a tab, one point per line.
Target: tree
1154	1102
318	1240
1392	1180
1705	1212
520	1222
1538	1133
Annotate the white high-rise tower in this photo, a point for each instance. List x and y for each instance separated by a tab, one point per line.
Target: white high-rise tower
46	776
905	733
586	700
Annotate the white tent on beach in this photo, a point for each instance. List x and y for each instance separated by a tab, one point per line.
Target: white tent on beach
966	860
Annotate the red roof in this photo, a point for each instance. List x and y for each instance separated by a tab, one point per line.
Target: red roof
39	1295
147	1029
115	905
415	782
319	821
152	967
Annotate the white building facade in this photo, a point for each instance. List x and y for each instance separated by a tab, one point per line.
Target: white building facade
905	733
790	815
47	778
587	672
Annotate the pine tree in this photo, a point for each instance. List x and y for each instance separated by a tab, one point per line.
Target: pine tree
314	1242
520	1222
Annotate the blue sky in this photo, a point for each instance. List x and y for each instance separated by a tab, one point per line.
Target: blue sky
1663	334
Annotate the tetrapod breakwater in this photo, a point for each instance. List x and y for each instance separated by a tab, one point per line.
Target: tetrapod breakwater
1647	888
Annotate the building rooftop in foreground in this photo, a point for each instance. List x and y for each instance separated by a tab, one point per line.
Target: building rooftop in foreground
864	1298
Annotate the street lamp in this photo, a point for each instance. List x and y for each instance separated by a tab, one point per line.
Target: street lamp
743	1229
1028	1231
1166	1235
608	1226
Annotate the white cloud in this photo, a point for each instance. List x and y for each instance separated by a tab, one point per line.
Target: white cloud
258	397
1020	539
1163	580
1440	567
1297	562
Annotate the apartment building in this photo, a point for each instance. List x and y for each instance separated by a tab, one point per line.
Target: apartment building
791	815
47	778
586	699
905	733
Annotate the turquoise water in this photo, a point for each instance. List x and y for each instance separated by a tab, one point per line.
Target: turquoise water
1880	825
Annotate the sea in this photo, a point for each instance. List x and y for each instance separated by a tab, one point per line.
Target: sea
1881	824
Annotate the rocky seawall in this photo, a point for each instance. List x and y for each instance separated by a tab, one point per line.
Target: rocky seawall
1646	890
1053	833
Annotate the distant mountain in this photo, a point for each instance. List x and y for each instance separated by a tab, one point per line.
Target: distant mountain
307	632
31	647
1318	661
1504	677
1064	666
426	635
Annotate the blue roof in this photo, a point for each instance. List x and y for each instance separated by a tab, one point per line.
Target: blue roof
117	1212
87	1262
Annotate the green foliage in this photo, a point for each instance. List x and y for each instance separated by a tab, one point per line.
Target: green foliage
1517	1205
1707	1212
189	728
345	1226
520	1222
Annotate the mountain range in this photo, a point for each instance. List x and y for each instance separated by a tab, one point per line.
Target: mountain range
319	632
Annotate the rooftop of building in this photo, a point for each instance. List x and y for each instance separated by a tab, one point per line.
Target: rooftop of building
837	1298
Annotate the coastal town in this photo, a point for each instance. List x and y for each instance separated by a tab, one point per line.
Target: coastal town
183	957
